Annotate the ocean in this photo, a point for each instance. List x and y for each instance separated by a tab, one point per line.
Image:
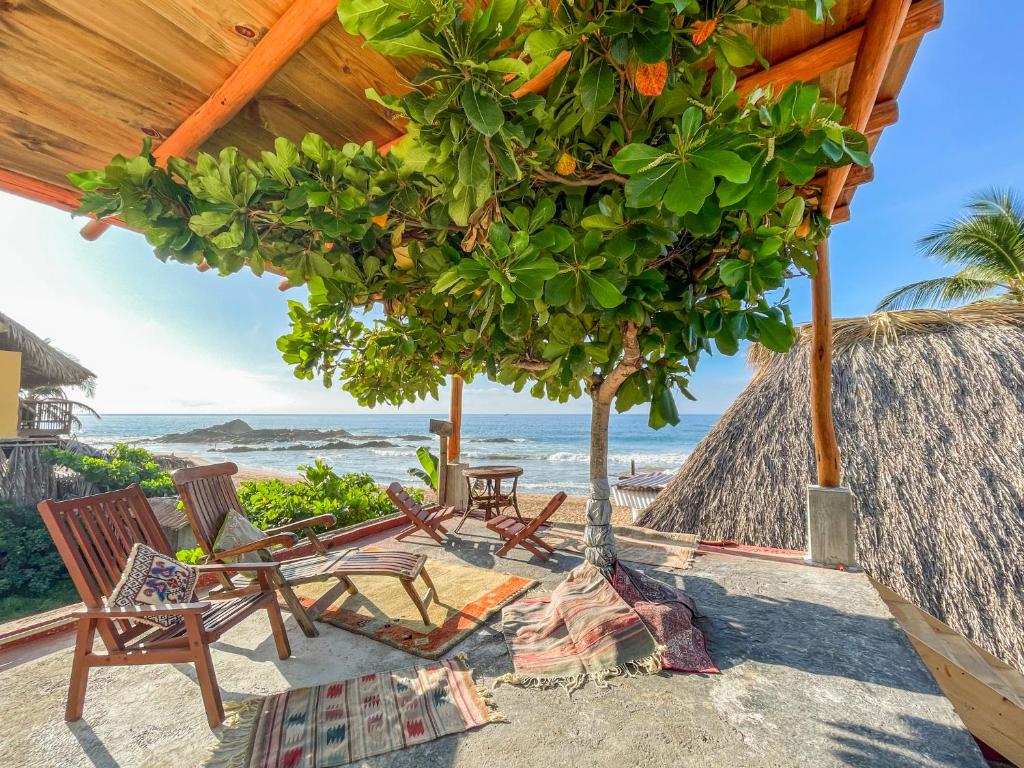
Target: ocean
552	448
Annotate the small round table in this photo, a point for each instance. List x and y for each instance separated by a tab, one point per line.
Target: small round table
490	501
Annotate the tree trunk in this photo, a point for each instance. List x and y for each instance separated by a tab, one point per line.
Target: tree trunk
597	536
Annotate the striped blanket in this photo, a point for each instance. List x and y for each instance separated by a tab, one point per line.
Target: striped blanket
581	631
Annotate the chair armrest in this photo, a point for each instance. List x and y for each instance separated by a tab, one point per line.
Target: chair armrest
234	567
299	525
167	609
282	539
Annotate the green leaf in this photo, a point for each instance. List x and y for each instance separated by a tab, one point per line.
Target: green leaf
722	162
690	187
732	272
635	158
559	289
208	222
597	86
474	164
774	334
636	389
737	49
604	291
649	188
482	111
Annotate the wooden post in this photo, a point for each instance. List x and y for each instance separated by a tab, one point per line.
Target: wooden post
455	416
826	449
881	33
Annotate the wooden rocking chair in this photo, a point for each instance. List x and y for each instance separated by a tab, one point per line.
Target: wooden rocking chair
208	493
519	533
94	535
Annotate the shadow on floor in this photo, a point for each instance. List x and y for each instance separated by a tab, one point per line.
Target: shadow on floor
804	635
859	745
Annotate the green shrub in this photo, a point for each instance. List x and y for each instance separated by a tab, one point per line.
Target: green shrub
351	498
32	575
122	466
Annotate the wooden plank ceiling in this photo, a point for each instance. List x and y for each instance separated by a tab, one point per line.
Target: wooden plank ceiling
82	80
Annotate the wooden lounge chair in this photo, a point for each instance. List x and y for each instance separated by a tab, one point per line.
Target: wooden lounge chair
94	536
426	519
520	533
208	493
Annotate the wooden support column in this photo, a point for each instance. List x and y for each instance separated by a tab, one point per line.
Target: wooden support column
295	27
826	450
881	32
455	416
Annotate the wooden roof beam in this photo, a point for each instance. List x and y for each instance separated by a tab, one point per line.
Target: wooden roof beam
924	16
295	28
46	193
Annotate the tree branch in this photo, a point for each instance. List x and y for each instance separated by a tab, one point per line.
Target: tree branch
585	181
537	366
632	361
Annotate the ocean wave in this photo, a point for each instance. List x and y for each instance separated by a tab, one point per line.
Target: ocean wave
664	460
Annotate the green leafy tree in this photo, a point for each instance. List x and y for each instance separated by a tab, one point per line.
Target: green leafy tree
584	205
988	245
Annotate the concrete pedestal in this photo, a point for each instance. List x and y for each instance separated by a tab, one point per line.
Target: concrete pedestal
831	537
456	493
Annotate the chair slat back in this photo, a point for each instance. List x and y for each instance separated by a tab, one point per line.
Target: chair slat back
548	511
405	503
94	536
208	493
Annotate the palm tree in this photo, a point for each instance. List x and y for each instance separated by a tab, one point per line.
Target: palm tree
987	242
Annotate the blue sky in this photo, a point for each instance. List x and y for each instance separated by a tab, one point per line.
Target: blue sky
167	339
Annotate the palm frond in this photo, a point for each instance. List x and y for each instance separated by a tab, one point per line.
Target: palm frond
939	292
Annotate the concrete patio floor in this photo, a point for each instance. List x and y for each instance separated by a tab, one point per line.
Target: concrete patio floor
815	672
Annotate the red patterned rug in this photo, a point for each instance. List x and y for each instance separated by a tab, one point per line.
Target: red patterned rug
347	721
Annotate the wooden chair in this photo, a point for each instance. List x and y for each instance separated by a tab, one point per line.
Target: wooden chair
426	519
94	536
520	533
208	493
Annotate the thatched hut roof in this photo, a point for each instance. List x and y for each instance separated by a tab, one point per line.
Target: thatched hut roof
41	364
929	411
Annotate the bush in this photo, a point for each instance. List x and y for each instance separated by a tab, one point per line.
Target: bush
32	575
351	498
122	466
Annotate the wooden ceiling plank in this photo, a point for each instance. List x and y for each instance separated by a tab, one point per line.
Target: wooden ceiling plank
153	38
924	16
881	33
230	29
302	20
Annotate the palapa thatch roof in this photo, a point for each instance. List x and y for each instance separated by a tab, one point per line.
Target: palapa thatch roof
41	364
929	412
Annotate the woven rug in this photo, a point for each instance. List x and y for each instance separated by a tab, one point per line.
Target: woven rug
581	631
633	544
668	613
467	597
344	722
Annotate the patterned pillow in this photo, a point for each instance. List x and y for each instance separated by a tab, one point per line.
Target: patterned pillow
150	578
235	531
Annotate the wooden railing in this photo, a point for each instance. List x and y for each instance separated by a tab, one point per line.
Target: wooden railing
44	418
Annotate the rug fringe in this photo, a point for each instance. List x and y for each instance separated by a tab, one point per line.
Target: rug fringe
235	734
493	715
649	665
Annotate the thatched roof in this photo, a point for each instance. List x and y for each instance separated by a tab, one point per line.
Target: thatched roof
929	411
41	364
